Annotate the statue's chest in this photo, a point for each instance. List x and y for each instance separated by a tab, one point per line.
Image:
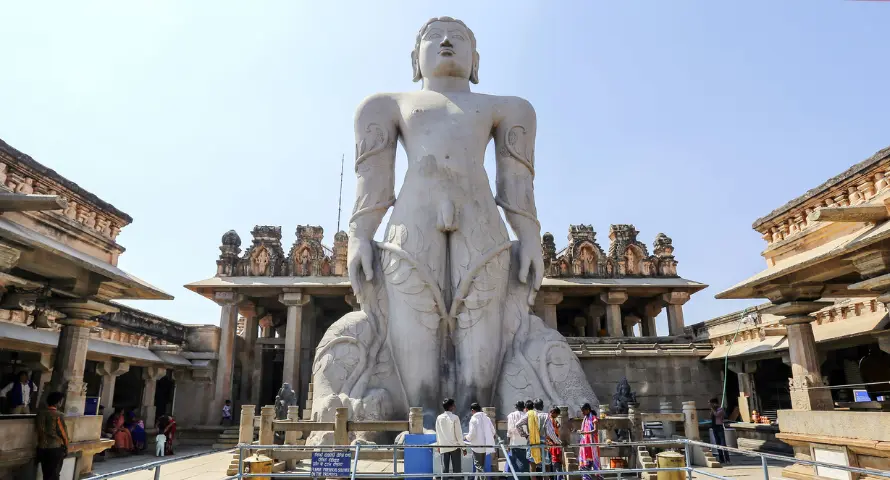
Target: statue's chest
441	116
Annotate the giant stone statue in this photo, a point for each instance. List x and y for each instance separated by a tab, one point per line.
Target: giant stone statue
446	296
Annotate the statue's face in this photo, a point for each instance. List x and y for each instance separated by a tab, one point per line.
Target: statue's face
446	51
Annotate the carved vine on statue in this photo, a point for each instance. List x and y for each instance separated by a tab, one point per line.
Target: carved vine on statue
471	313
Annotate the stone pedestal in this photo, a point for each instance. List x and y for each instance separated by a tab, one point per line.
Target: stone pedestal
71	353
545	307
675	302
295	301
109	371
150	375
806	379
613	300
225	363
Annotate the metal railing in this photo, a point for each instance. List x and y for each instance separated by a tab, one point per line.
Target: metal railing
356	450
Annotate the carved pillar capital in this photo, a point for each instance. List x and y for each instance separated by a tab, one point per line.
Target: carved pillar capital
153	374
872	263
795	312
228	298
81	313
792	293
549	298
614	297
294	299
112	368
675	298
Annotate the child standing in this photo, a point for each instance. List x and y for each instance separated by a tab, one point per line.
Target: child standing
160	440
227	414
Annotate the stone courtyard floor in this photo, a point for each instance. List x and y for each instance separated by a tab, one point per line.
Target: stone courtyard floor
213	467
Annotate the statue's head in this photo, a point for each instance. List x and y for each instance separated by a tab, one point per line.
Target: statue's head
445	47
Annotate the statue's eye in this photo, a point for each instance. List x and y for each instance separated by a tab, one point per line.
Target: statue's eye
433	36
458	36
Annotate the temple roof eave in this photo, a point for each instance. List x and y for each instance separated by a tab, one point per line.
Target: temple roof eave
130	287
322	283
779	273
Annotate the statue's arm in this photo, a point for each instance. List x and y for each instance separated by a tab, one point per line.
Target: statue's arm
376	132
514	139
375	154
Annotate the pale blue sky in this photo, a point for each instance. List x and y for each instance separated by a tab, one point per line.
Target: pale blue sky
691	118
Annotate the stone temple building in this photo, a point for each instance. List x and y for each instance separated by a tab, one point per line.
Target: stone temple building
60	321
276	303
816	356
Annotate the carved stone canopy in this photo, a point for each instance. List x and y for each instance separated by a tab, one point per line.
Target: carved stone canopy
265	256
627	257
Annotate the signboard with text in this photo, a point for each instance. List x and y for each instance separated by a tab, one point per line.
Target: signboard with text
331	464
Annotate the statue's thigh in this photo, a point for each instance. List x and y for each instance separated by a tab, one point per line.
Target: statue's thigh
479	269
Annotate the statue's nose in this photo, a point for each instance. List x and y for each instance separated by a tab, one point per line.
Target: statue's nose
446	43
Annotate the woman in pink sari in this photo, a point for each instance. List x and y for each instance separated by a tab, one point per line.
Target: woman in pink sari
589	454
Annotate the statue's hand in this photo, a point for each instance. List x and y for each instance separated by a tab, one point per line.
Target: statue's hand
530	258
359	259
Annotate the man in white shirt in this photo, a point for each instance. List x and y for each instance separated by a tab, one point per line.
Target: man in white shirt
482	434
19	394
518	437
449	435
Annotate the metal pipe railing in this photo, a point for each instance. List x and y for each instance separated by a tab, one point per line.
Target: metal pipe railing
500	446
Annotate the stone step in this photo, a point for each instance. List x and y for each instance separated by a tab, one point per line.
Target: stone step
223	446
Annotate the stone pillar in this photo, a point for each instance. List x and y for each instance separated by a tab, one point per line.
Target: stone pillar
150	375
110	370
545	307
594	315
267	434
805	369
291	437
650	312
675	301
249	362
225	363
293	339
71	353
47	360
353	302
415	420
748	399
613	300
341	432
491	413
690	421
630	321
245	427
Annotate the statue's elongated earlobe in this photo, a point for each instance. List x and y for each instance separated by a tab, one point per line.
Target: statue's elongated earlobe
415	66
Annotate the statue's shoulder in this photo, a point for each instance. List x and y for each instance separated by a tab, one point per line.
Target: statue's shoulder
379	104
511	107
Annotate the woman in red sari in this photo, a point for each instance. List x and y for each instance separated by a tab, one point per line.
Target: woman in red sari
170	432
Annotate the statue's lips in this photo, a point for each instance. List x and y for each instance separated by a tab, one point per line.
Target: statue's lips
446	52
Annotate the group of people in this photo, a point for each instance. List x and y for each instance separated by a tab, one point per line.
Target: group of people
533	434
128	432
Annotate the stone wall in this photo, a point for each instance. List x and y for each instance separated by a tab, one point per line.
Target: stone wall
193	399
655	378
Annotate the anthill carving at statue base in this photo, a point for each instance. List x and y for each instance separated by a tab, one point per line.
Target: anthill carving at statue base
446	296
